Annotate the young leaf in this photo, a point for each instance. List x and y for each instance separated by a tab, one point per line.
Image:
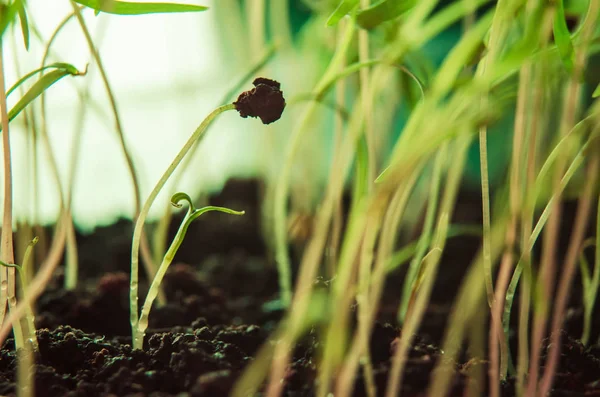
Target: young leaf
383	11
128	8
24	25
59	65
341	11
40	86
562	36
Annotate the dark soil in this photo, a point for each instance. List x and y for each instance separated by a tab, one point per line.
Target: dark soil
221	293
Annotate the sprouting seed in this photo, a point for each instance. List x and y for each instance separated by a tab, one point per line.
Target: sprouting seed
265	100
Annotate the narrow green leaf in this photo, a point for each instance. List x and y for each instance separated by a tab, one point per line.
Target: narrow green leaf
40	86
596	92
59	65
24	25
383	11
562	37
128	8
341	11
7	14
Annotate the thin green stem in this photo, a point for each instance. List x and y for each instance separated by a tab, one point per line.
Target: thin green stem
7	276
282	186
192	214
596	275
139	225
425	238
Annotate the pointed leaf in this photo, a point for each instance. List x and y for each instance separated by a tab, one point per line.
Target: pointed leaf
341	11
129	8
383	11
40	86
562	37
24	25
59	65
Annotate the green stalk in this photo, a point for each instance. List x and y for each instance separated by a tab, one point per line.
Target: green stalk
282	186
393	215
192	214
424	240
573	167
7	276
139	225
568	274
498	347
428	268
527	211
596	275
366	255
583	210
471	293
41	279
339	124
279	22
30	334
255	10
548	262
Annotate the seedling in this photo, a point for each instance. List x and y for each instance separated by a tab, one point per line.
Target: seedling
191	215
29	335
265	101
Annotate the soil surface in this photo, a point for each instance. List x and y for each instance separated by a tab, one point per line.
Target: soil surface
221	309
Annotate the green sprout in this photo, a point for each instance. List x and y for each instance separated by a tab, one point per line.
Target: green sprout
29	335
265	101
191	215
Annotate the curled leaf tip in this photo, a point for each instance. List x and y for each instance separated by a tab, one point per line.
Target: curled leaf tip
178	197
265	101
84	71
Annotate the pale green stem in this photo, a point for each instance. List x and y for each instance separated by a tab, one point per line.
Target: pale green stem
424	239
7	276
139	225
282	186
575	164
583	210
428	268
30	317
279	22
142	325
255	10
497	33
567	275
596	275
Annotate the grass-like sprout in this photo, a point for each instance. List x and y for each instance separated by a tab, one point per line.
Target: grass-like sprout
589	282
192	214
29	334
265	101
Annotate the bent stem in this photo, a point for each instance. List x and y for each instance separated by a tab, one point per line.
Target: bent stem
139	225
7	276
192	214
